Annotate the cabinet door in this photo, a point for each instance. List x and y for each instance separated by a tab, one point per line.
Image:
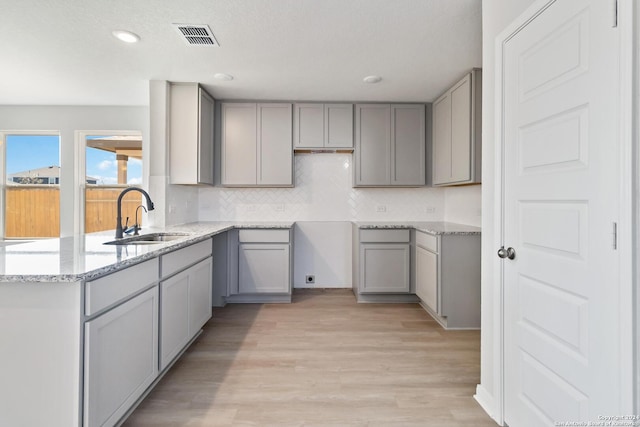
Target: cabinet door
338	126
263	268
408	154
384	268
200	287
174	316
461	131
442	139
205	139
275	165
373	144
121	358
427	277
308	125
239	145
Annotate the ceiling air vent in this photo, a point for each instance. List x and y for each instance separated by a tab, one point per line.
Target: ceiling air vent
196	35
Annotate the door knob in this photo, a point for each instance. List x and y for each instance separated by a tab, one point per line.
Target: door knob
507	253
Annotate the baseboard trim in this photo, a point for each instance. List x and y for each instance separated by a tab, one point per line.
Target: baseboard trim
485	400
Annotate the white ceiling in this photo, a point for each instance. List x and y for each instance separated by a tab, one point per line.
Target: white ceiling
61	52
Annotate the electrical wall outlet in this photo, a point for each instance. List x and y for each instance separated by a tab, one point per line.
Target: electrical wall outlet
310	278
279	207
430	209
381	208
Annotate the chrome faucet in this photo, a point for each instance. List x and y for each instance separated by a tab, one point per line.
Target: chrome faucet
119	217
136	225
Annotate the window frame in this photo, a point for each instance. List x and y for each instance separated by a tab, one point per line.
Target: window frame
80	184
3	172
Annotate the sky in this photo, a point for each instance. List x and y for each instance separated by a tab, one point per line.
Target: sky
26	152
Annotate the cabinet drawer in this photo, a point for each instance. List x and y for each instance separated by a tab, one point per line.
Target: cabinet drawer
264	236
183	258
107	290
427	241
385	236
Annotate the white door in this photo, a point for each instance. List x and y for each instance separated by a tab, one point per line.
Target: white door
561	151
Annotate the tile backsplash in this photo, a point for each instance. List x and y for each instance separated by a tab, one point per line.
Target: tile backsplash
323	192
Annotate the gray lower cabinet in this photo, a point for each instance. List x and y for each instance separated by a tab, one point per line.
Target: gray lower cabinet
259	266
121	342
382	265
427	277
385	267
390	147
447	274
256	145
185	298
264	268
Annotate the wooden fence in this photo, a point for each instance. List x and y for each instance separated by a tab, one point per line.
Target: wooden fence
34	210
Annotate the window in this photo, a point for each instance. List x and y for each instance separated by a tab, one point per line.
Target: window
112	163
32	190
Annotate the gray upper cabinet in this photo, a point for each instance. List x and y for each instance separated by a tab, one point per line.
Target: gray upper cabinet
457	136
373	145
191	135
308	125
338	126
389	145
275	152
256	145
408	145
323	126
239	144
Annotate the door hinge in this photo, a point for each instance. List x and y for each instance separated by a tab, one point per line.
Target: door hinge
615	236
614	14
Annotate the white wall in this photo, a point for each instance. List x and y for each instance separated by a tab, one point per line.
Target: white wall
322	249
463	205
496	15
323	192
65	120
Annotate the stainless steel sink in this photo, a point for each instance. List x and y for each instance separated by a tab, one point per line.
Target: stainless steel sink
148	239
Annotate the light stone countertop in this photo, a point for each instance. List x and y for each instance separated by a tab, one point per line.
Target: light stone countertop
85	257
428	227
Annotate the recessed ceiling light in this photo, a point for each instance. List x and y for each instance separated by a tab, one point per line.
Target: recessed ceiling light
126	36
372	79
223	76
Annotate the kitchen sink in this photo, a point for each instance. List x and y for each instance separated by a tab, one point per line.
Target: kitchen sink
148	239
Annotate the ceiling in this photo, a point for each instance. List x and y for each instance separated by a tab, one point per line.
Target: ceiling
62	52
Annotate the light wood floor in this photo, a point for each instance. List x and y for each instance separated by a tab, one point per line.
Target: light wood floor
321	361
